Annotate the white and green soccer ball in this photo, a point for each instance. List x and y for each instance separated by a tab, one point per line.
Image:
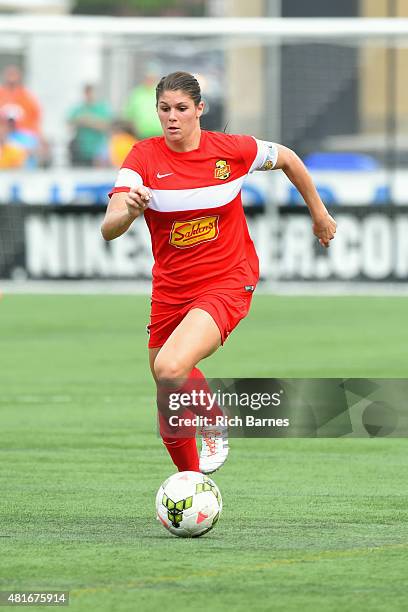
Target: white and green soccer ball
188	504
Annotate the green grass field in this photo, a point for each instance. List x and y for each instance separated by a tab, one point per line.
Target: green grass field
313	524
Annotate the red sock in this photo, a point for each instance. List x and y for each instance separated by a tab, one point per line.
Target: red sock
181	444
198	382
183	451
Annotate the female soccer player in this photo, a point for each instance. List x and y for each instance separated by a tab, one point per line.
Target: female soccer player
187	183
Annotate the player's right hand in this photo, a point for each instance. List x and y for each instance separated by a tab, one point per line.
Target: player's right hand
137	200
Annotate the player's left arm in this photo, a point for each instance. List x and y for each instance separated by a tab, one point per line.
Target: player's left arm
279	157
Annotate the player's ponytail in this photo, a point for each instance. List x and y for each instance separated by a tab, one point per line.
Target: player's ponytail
183	81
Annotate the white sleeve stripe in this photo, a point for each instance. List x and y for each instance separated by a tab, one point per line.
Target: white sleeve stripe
265	150
128	178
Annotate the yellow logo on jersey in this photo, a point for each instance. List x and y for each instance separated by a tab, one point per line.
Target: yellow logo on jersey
185	234
222	170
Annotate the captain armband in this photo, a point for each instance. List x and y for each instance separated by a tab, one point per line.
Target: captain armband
267	155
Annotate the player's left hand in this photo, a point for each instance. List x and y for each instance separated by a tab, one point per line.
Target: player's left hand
324	229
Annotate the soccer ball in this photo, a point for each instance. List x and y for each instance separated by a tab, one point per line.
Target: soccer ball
188	504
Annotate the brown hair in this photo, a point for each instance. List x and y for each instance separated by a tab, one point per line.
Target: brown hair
183	81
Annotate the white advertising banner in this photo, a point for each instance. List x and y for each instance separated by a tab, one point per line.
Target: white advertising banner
65	242
261	189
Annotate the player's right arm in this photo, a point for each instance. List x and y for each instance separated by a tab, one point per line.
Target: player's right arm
123	209
129	197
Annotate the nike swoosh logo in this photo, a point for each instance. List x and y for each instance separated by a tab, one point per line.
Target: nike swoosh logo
163	175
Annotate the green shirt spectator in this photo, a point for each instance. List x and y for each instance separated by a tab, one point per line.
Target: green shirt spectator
91	120
140	109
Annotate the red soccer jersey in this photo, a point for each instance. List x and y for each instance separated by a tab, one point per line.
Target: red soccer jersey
199	234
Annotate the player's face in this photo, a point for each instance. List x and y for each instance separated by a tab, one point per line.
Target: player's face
179	116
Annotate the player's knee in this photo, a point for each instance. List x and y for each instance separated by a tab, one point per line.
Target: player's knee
170	370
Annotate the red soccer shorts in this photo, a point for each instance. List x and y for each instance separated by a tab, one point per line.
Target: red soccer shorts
226	309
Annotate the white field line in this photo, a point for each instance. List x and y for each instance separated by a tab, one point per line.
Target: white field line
99	287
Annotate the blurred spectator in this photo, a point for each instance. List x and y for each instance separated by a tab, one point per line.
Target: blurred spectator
91	121
35	148
140	108
122	140
17	102
11	154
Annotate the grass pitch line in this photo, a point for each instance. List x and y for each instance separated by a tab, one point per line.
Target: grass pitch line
322	556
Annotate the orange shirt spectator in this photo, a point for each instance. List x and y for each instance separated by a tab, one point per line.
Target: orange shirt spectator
17	102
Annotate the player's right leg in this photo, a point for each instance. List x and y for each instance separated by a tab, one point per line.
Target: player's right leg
182	446
173	367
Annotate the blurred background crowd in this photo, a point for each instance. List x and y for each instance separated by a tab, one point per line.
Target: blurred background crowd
77	89
99	126
99	138
82	101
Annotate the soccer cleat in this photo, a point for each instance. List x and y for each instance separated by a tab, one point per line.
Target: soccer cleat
214	449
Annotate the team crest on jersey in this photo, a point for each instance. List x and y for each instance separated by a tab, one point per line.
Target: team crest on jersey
222	169
186	234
